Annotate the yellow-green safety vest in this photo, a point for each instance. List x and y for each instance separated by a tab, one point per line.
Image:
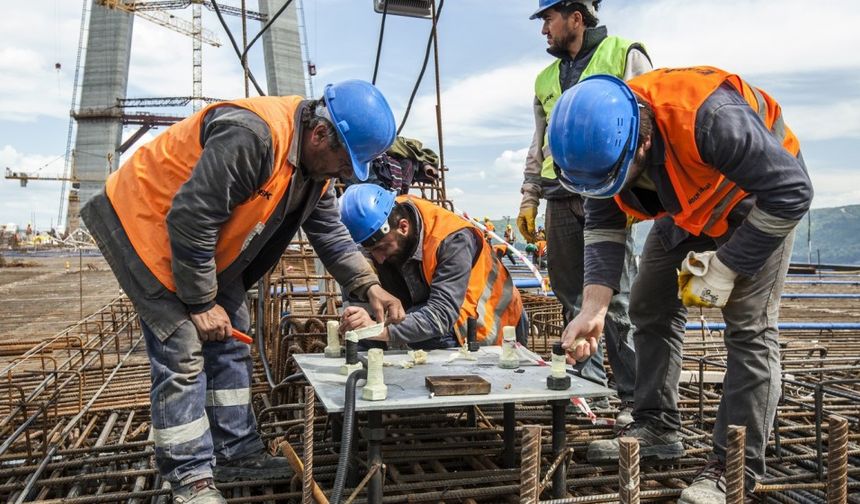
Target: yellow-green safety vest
610	57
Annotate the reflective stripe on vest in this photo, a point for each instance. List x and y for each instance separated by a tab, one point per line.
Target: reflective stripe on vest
491	297
610	57
142	190
705	195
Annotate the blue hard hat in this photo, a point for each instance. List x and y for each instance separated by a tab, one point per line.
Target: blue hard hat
364	210
546	4
593	135
363	121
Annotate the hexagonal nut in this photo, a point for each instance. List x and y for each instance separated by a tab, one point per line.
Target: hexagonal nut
347	369
333	353
374	392
554	383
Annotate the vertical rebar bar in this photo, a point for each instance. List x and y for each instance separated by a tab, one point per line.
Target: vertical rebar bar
628	470
530	464
837	460
559	443
308	453
735	464
509	418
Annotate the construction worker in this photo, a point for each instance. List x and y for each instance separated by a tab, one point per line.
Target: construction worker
437	264
581	48
711	159
193	220
504	250
538	252
509	234
490	227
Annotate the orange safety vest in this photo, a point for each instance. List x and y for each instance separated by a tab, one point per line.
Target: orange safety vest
500	248
491	297
541	247
706	196
142	190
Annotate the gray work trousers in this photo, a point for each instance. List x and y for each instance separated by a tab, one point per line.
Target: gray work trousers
751	387
566	250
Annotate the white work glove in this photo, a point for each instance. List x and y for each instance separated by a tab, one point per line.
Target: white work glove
704	280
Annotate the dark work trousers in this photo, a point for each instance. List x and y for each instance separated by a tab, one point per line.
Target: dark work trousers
201	401
751	387
565	244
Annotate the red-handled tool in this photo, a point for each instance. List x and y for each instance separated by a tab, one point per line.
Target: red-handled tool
239	335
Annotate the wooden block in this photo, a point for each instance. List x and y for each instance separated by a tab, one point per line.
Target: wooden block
457	385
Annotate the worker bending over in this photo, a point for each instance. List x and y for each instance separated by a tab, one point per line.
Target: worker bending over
193	220
504	250
437	264
582	48
709	157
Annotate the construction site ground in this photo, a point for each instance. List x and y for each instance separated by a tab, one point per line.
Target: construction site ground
74	406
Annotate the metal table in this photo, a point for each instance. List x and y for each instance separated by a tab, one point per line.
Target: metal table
406	391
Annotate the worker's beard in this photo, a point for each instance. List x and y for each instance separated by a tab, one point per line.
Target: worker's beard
405	247
560	44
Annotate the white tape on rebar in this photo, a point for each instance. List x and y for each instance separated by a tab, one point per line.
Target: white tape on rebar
365	332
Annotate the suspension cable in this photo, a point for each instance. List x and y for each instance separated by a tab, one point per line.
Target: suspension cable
379	45
423	68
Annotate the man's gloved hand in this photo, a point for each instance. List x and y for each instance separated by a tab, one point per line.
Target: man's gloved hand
526	222
704	280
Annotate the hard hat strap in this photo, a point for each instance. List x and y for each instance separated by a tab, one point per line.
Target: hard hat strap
377	235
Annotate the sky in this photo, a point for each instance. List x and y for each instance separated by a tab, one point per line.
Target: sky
803	53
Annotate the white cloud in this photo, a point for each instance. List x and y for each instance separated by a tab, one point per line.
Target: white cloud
35	38
493	106
39	201
510	163
744	36
832	188
487	113
840	119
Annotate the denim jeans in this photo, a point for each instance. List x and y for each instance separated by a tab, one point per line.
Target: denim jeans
201	401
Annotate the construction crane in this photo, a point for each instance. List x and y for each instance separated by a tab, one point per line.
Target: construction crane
26	177
155	12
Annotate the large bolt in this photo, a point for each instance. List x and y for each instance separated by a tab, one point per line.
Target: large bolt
333	348
509	358
375	389
558	378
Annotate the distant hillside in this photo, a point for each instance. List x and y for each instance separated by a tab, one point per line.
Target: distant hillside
835	234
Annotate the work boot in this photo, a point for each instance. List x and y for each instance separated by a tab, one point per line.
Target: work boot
624	417
653	443
202	491
259	465
599	403
709	487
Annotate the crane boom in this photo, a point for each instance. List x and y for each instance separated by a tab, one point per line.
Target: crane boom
166	20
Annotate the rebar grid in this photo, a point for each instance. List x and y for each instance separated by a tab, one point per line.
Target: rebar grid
99	450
